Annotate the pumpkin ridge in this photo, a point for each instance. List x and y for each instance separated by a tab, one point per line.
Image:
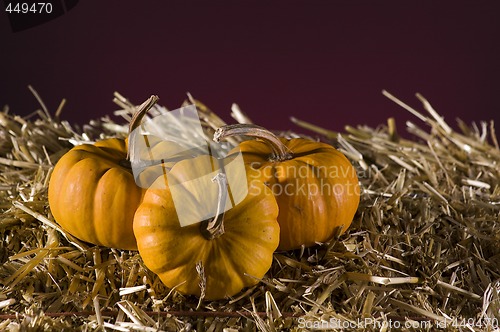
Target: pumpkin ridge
99	229
219	263
116	155
85	155
247	255
329	206
238	270
319	154
150	236
233	238
118	178
102	151
184	264
306	146
312	167
84	189
265	224
297	155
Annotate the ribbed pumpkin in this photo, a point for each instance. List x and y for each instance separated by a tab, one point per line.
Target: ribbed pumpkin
315	185
227	252
93	197
92	191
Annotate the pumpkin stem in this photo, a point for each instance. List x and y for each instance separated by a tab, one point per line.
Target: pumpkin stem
280	151
138	115
214	227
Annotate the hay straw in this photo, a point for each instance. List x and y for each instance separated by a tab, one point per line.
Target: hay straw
423	248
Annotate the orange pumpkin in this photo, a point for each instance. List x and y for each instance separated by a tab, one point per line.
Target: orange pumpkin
93	197
92	191
224	251
315	185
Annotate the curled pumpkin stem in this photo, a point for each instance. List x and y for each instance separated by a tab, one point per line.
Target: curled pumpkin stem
138	116
280	151
213	228
141	112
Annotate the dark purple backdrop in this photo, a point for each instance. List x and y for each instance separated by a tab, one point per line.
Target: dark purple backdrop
322	61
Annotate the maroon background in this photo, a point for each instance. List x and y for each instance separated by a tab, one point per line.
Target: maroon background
322	61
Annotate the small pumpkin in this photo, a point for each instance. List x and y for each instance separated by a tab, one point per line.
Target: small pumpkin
315	185
93	196
92	192
233	249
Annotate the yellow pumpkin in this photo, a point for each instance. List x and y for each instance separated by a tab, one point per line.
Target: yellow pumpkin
233	249
315	185
93	196
92	191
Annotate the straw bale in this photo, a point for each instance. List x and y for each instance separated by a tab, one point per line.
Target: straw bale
423	252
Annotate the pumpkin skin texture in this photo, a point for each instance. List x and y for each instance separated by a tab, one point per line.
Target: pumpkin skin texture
93	197
245	249
315	185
